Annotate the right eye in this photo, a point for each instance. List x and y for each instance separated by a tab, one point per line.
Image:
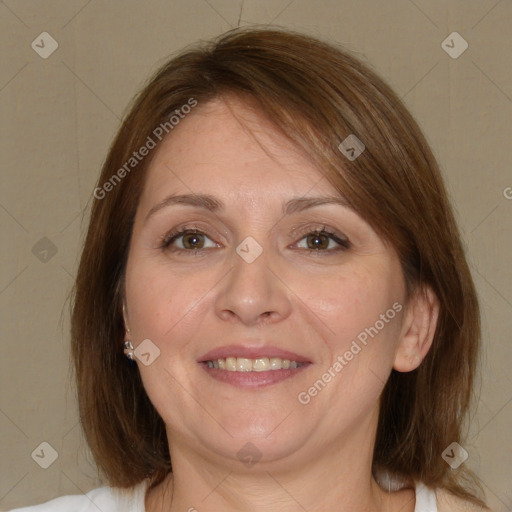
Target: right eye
190	240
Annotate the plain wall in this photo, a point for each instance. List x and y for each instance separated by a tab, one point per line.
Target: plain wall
60	114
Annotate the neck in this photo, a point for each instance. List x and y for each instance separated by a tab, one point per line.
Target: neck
338	479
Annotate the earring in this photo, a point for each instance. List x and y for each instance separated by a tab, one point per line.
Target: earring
128	350
127	345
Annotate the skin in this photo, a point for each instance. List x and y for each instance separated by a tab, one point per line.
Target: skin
317	456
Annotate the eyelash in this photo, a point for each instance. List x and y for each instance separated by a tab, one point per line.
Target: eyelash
174	235
343	243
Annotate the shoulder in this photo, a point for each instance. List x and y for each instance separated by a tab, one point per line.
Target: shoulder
106	499
447	502
102	497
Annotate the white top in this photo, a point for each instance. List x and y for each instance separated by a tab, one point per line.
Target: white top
108	499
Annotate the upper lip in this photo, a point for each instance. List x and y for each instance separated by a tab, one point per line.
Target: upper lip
251	353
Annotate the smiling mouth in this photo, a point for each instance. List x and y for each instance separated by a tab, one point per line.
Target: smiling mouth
260	364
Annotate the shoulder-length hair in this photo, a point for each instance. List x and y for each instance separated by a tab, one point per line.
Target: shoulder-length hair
317	95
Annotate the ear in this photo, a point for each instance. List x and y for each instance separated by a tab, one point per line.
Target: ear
121	295
418	329
125	318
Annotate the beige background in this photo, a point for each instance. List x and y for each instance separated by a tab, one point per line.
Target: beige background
59	115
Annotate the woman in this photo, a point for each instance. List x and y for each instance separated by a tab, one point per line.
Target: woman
273	310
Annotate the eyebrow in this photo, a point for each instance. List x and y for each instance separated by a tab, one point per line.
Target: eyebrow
300	204
203	201
210	203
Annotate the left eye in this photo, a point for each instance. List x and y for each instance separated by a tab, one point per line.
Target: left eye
321	241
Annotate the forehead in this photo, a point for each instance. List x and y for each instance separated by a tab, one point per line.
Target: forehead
226	147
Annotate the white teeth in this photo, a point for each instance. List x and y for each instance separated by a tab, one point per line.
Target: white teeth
276	363
261	364
230	364
243	365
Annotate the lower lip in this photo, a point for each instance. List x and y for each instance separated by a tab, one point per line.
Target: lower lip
252	379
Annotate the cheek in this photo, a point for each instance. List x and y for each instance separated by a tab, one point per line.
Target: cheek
162	301
355	303
359	313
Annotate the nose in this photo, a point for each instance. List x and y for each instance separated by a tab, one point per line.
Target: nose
253	293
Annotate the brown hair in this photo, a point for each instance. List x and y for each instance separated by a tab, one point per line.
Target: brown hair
317	95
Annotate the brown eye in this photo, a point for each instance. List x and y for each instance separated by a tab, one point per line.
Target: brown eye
317	241
322	241
193	241
188	240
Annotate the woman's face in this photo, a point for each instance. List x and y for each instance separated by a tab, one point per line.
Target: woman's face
242	247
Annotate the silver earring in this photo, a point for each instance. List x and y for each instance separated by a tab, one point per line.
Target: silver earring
127	345
128	350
